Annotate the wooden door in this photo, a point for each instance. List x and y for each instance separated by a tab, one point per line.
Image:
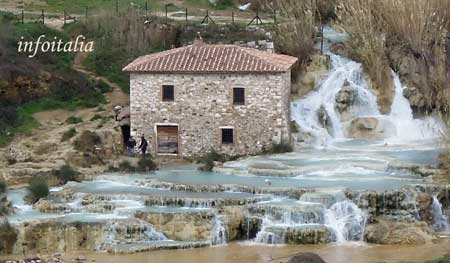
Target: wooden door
167	139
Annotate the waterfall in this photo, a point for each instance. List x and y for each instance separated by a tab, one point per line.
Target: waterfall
408	128
305	110
134	231
344	219
440	220
308	112
347	221
267	235
219	231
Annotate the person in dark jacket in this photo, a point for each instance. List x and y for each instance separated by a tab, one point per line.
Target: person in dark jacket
143	146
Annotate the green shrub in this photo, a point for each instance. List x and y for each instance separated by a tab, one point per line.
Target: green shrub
87	142
38	188
112	169
3	186
278	148
67	135
126	166
96	117
208	160
145	165
8	238
223	4
103	86
65	174
74	120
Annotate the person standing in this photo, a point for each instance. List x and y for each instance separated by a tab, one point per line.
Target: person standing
131	145
143	146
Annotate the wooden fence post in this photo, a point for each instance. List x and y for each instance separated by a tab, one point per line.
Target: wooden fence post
86	13
186	15
43	17
275	16
232	17
23	17
166	7
321	40
117	6
65	17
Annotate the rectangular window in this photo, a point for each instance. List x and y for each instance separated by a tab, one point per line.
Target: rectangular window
168	93
238	96
227	136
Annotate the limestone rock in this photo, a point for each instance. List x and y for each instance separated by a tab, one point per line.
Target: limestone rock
318	66
424	203
390	232
18	154
308	234
326	198
324	118
415	97
370	128
181	226
47	206
234	221
306	258
344	100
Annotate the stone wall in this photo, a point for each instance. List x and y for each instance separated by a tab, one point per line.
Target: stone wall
203	103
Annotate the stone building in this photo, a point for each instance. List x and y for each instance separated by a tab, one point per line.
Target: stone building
191	99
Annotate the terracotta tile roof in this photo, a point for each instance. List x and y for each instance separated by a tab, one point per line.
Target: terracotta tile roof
205	58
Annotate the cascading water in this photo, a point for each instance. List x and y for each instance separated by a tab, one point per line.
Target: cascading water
408	128
440	220
219	231
134	231
347	221
305	111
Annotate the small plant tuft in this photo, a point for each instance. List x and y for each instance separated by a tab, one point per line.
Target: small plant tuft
145	165
65	174
87	142
210	158
67	135
96	117
126	166
3	186
74	120
8	237
277	148
38	188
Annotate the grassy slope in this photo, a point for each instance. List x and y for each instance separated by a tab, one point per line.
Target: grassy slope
71	92
79	6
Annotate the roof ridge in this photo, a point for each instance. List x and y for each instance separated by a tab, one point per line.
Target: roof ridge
143	58
212	58
252	51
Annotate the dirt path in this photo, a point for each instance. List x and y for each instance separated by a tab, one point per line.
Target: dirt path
42	151
115	97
